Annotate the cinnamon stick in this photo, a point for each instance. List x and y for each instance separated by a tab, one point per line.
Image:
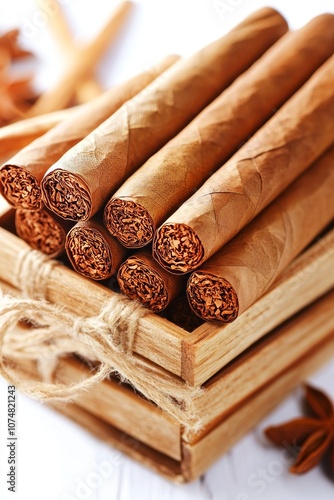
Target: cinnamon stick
144	124
285	147
20	177
141	278
240	273
169	177
92	251
60	96
88	88
42	230
10	42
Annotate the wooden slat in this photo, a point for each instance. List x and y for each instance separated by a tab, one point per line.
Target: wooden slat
200	451
263	362
115	403
152	459
156	339
110	434
199	456
195	357
211	347
119	406
227	389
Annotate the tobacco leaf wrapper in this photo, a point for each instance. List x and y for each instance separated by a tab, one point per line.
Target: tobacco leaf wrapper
91	171
20	177
141	278
169	177
92	251
42	230
240	273
17	135
279	152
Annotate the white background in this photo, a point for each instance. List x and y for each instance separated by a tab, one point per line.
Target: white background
54	455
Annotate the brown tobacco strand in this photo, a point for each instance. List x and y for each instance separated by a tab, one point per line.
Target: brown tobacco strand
280	151
142	279
169	177
242	271
20	177
92	251
91	171
42	230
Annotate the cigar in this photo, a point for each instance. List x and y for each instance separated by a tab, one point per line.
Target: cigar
169	177
82	181
17	135
242	271
92	251
60	96
141	278
20	177
42	230
278	153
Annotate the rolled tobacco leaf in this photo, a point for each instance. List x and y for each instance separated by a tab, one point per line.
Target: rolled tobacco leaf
169	177
240	273
83	180
17	135
42	230
92	251
20	177
141	278
280	151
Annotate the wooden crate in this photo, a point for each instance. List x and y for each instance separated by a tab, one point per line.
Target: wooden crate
244	368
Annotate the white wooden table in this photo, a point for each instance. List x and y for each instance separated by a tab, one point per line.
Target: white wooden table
57	460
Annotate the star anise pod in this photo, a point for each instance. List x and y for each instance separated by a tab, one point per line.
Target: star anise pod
9	42
313	435
16	95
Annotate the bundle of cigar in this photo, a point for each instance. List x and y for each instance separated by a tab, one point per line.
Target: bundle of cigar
221	165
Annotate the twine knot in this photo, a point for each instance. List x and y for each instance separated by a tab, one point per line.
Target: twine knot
107	338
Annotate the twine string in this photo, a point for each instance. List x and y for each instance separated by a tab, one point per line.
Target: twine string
106	338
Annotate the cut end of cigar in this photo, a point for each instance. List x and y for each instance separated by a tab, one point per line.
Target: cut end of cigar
177	248
89	253
129	222
20	188
140	282
212	298
40	231
67	195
